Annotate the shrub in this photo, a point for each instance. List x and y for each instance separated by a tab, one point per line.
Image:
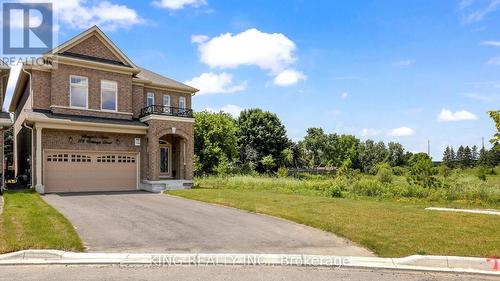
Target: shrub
367	187
384	174
481	173
399	171
282	172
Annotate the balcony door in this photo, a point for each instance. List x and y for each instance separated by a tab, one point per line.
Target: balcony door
165	159
166	104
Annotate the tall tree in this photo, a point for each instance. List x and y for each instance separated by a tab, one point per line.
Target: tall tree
215	141
467	160
314	147
395	154
370	154
460	158
475	155
263	133
422	172
495	115
448	157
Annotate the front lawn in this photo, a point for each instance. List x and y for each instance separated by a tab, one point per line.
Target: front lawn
27	222
387	227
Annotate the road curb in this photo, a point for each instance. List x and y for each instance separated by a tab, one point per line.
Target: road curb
415	263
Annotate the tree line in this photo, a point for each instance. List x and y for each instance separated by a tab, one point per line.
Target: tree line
257	141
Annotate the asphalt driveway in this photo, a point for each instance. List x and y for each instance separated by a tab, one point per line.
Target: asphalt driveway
144	222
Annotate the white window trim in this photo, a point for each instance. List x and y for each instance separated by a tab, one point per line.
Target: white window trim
169	100
116	96
185	105
87	91
147	97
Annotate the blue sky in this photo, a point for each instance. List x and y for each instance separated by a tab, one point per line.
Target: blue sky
405	71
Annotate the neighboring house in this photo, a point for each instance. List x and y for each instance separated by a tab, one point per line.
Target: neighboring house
5	121
94	121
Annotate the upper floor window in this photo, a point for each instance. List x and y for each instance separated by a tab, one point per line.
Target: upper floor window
166	103
150	99
182	102
109	95
78	91
166	100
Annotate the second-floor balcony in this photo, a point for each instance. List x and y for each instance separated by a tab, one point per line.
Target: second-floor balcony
166	110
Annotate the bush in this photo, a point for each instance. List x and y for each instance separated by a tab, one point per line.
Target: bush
399	171
282	172
367	187
384	174
481	173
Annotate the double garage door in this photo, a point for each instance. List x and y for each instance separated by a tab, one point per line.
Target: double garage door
80	171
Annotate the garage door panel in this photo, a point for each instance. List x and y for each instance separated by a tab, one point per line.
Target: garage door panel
92	171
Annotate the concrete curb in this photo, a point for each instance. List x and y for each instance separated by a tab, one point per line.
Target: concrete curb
415	263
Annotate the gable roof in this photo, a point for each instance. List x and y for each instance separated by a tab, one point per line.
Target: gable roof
161	80
93	31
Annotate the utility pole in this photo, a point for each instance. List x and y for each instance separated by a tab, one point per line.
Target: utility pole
429	148
482	142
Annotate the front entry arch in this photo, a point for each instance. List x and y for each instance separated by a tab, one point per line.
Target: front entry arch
171	157
165	159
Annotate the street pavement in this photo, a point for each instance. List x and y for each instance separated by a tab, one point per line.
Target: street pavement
242	273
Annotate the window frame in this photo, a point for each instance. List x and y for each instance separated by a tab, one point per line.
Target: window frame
77	85
185	102
116	95
150	94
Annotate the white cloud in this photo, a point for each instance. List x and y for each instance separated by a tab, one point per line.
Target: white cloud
473	13
213	83
494	61
401	132
179	4
447	115
367	132
404	63
269	51
199	38
289	77
483	97
83	14
491	43
344	95
232	109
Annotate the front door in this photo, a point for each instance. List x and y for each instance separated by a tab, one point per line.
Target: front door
165	161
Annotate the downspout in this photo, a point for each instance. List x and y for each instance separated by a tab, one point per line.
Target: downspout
31	88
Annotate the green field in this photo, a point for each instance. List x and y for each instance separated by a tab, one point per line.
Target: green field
27	222
389	225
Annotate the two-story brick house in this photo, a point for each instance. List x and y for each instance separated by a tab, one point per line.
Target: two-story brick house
94	121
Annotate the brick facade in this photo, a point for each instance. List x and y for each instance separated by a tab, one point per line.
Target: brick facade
60	89
160	128
93	47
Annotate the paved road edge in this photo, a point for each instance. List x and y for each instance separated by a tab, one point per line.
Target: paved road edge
416	263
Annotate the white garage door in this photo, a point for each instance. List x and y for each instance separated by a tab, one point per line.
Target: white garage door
79	171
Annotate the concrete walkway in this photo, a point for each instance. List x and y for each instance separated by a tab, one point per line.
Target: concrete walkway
144	222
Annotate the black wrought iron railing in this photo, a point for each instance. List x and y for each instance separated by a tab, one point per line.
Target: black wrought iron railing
167	110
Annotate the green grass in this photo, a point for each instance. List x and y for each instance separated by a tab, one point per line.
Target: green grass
27	222
456	190
388	227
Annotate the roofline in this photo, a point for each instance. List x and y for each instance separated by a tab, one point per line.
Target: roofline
16	96
149	83
87	33
4	77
